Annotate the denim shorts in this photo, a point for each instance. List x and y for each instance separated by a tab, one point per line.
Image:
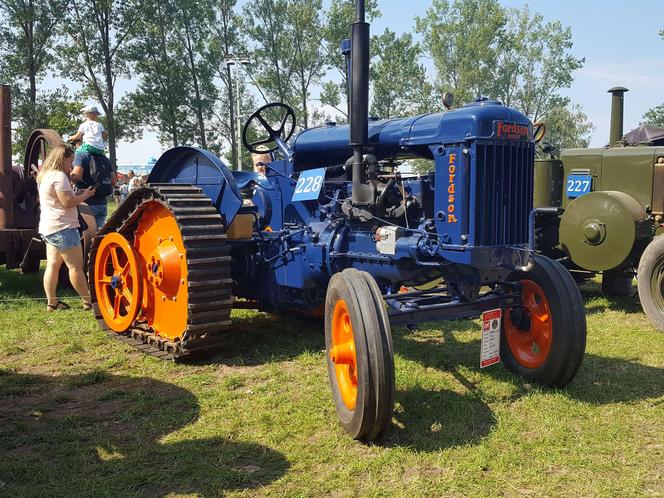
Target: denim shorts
64	239
99	212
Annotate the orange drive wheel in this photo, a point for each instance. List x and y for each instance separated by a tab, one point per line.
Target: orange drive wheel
530	338
343	354
162	257
117	282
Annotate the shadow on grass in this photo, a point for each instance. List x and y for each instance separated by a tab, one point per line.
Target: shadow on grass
14	284
101	435
600	379
434	420
260	338
600	302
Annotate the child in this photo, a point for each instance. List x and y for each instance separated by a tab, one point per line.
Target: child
91	132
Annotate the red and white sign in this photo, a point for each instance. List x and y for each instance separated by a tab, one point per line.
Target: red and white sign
490	353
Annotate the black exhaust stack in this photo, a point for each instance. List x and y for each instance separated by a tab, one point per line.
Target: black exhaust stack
617	114
359	109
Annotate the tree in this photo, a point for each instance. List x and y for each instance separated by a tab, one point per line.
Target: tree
480	48
463	38
266	23
655	116
27	37
289	70
340	16
567	125
159	101
98	31
227	41
192	31
56	109
533	63
400	85
309	58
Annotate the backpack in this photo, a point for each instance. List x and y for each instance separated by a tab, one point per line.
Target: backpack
100	173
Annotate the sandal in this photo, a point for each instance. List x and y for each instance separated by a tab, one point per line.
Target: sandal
57	306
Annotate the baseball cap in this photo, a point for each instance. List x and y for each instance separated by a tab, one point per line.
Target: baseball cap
89	109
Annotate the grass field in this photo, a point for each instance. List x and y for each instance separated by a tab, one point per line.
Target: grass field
81	414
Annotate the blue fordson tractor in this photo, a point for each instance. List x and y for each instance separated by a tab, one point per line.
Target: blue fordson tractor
332	229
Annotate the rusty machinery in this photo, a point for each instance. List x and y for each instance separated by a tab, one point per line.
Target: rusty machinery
19	199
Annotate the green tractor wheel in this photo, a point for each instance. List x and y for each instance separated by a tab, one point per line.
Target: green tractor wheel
651	282
617	284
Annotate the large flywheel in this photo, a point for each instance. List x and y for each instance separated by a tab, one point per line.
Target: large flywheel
160	272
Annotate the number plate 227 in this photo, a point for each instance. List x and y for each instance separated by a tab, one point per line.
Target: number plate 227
309	184
577	185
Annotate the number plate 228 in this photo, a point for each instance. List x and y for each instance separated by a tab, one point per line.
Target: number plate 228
309	184
577	185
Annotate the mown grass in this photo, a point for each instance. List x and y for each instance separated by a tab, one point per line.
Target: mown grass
84	415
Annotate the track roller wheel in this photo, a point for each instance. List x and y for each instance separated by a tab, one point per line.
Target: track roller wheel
360	357
544	339
117	281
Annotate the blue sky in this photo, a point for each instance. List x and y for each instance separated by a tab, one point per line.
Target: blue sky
618	39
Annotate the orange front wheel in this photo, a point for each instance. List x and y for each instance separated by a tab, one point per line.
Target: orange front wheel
342	354
360	358
117	282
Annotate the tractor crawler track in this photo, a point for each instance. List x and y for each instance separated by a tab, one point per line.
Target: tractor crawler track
209	279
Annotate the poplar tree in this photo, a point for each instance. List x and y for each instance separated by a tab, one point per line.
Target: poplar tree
94	53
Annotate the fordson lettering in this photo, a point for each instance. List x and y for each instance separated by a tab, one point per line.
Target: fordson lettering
451	190
511	131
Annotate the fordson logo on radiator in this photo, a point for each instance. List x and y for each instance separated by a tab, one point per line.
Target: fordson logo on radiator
451	190
511	131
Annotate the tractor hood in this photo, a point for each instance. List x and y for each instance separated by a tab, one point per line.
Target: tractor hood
404	137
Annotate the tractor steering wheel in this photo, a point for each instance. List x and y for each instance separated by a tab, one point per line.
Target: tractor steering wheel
275	122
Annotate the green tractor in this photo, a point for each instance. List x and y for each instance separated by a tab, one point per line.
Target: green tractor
605	210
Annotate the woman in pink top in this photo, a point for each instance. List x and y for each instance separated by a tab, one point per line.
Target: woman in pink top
58	225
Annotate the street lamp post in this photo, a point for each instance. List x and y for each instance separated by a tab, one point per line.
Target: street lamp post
237	60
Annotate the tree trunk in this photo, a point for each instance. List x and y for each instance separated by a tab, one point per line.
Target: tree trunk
110	118
231	103
197	91
304	104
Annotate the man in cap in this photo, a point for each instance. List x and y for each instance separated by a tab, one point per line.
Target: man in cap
92	134
261	159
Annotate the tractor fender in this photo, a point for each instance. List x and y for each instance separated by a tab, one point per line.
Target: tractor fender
193	166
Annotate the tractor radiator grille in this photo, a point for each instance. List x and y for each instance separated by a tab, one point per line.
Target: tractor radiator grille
658	191
504	191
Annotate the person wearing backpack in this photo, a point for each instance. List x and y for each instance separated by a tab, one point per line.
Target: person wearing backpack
91	167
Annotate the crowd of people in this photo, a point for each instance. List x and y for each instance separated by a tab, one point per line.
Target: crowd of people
127	186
